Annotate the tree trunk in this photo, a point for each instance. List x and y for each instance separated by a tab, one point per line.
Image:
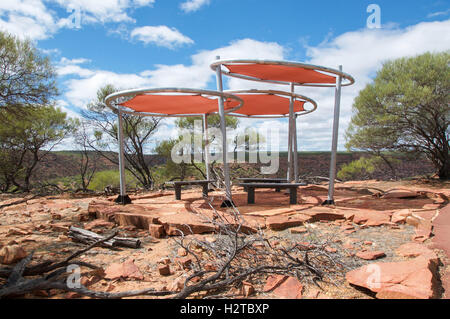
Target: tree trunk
444	170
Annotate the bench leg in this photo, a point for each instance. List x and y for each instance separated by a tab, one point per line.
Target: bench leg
205	190
178	192
293	196
251	195
277	189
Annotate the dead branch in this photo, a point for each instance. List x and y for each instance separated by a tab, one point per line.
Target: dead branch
88	237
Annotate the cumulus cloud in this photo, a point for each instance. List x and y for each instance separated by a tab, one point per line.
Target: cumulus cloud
34	19
193	5
83	83
161	36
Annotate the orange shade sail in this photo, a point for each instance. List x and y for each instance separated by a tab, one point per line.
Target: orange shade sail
284	73
267	104
177	104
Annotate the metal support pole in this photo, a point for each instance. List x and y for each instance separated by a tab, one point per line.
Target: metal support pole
294	136
228	201
291	156
295	150
123	198
206	149
337	106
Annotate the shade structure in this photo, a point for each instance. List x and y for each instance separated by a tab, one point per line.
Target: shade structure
293	74
271	103
283	72
172	102
166	102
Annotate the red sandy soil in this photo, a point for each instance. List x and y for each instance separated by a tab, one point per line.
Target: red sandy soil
368	217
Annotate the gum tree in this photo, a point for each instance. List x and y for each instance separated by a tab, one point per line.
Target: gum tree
27	78
406	109
138	134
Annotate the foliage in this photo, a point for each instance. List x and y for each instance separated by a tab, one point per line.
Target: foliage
362	168
25	139
138	132
406	108
26	77
111	178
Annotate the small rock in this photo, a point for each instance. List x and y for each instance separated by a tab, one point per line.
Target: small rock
370	255
299	230
330	249
126	270
182	252
156	231
291	288
273	282
247	289
11	254
164	270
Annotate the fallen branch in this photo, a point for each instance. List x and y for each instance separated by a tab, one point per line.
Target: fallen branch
89	237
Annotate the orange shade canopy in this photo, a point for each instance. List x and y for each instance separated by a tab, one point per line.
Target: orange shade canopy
283	73
267	104
177	104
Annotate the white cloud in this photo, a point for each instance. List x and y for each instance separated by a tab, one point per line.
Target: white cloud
438	14
161	35
27	18
34	20
104	10
193	5
82	83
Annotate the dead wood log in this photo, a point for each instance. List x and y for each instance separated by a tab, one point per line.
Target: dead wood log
88	237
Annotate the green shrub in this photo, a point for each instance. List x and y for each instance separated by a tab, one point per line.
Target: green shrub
360	169
111	177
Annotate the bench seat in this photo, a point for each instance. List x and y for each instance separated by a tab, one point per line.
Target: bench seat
250	188
177	185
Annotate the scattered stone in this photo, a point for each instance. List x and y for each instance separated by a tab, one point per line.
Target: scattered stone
156	231
414	278
12	254
413	250
126	270
184	262
291	288
399	217
282	222
99	223
164	270
330	249
247	289
273	282
400	193
299	230
182	252
370	255
164	261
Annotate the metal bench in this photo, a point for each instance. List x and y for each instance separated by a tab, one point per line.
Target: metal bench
262	180
177	186
250	187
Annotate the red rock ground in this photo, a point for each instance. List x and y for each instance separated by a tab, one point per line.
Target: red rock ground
363	223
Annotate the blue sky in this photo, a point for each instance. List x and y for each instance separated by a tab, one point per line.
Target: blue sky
158	43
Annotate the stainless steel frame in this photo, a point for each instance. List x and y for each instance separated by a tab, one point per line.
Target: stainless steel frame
110	101
340	77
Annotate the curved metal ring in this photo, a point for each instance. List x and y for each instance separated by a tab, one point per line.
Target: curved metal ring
344	75
274	92
148	91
